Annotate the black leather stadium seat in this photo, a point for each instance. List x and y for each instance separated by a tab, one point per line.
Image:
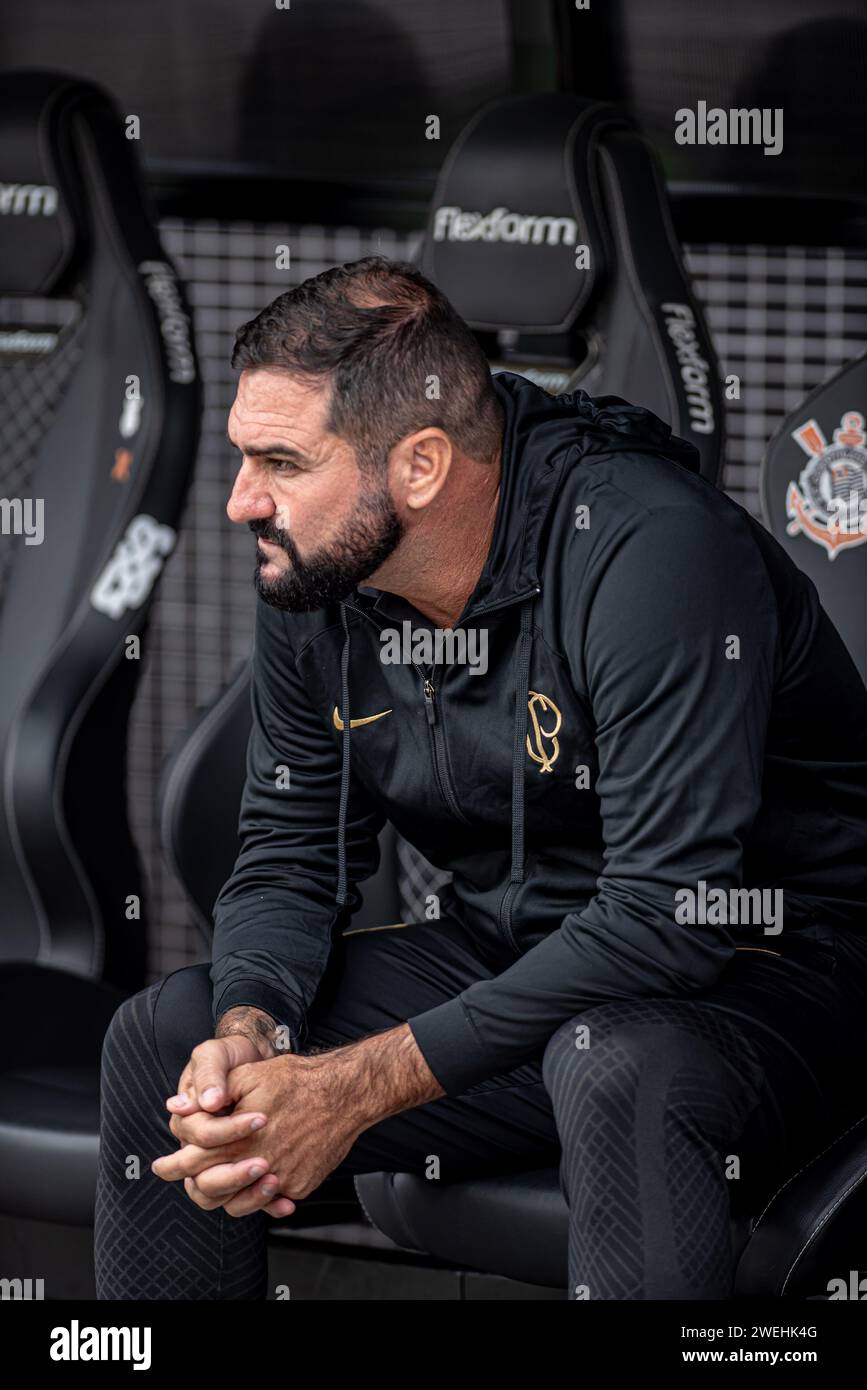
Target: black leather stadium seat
551	157
99	418
550	232
631	312
563	332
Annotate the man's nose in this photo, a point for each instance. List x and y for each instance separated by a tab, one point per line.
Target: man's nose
249	500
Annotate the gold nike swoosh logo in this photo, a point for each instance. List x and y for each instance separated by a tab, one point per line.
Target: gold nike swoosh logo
357	723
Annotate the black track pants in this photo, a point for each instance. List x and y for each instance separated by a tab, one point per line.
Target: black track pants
664	1115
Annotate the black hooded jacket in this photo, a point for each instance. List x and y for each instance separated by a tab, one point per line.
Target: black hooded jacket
665	704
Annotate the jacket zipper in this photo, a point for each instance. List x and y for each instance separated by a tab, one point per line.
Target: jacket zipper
504	915
440	760
441	766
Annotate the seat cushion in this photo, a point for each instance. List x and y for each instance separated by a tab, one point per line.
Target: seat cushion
515	1224
48	1171
49	1091
807	1231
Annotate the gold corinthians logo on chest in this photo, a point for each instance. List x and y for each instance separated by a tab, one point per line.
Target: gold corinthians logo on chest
542	743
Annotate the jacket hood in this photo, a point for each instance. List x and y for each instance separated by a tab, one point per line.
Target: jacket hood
537	428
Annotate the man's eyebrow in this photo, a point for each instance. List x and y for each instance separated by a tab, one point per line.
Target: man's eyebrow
261	451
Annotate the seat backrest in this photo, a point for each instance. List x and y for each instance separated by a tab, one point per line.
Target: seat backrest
199	796
528	183
550	232
813	485
99	417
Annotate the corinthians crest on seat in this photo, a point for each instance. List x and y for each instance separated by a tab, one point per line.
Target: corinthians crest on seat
816	507
828	504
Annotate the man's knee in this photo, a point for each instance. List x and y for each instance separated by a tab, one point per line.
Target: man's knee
665	1056
616	1029
161	1024
597	1050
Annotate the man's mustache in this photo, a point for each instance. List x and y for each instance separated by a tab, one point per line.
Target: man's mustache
265	533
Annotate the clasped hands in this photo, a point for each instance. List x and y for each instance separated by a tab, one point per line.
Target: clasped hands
256	1134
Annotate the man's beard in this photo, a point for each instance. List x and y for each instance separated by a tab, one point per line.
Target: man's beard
363	544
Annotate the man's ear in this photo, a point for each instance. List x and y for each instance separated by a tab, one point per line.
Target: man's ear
420	465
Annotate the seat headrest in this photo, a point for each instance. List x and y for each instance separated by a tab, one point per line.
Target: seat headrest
514	234
43	222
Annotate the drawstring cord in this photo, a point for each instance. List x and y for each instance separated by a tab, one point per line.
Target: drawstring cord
342	894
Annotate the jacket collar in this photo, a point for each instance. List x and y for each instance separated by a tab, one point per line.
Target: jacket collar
528	477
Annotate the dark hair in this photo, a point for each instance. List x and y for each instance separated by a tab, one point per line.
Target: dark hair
381	331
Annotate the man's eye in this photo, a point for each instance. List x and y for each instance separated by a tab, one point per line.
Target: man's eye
281	465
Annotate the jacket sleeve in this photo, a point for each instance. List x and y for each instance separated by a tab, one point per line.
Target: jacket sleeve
274	917
680	725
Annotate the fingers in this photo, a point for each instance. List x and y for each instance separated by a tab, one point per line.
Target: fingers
222	1189
183	1103
226	1180
191	1161
209	1063
259	1197
283	1206
203	1084
211	1131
